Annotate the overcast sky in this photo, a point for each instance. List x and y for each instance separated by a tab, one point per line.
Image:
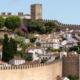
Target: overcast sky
65	11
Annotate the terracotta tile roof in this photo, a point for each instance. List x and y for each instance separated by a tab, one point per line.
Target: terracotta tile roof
43	36
75	32
0	48
77	39
17	58
53	54
69	43
31	62
33	47
71	54
2	62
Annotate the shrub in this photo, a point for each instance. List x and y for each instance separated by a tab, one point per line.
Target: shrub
19	32
29	58
32	40
38	44
43	60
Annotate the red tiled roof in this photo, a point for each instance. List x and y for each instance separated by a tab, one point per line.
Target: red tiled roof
77	39
0	48
2	62
31	62
54	54
43	36
17	58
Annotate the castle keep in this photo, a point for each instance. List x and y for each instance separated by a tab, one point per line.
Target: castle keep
36	11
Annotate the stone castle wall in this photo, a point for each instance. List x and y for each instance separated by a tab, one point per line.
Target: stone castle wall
59	25
47	71
62	26
71	65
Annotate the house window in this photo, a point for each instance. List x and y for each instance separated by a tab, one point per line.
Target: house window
49	57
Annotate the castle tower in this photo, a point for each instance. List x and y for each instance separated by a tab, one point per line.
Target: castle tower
36	11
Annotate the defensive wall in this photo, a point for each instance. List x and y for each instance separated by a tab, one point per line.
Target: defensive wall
46	71
59	25
62	26
71	65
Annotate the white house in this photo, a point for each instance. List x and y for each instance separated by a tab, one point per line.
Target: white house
3	64
63	53
70	39
0	52
64	42
56	40
49	57
27	41
34	52
42	38
68	45
16	61
52	45
61	78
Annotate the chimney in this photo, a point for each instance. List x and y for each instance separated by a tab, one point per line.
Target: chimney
9	13
3	13
20	13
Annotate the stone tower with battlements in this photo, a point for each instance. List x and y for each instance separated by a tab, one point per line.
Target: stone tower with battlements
36	11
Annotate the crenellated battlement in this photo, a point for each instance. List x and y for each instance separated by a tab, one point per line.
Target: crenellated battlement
28	66
59	23
9	13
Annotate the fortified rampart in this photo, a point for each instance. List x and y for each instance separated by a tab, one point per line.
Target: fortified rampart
59	25
47	71
71	65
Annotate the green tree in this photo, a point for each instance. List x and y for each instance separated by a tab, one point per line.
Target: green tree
13	46
73	48
72	77
6	49
38	44
29	58
1	41
53	30
49	49
78	51
43	60
36	27
19	39
2	21
20	53
30	44
49	26
57	58
13	22
24	46
33	25
19	32
32	40
9	48
42	29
